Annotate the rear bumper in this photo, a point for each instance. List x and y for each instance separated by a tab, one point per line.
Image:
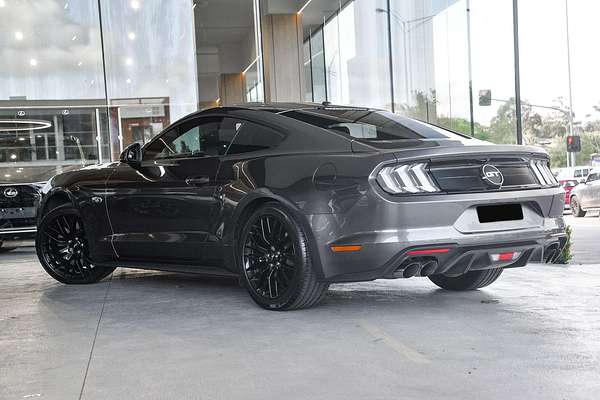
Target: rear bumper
387	231
462	259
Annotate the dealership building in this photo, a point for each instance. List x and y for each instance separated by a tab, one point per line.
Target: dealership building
82	79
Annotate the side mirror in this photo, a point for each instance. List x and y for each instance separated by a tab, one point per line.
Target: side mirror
132	154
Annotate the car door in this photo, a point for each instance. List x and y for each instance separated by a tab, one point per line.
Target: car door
166	210
593	190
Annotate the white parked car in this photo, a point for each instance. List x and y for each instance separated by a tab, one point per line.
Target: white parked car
577	173
586	196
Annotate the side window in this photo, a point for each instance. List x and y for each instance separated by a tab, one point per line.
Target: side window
577	173
254	137
197	138
592	177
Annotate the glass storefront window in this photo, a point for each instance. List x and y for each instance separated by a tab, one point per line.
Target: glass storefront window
357	55
541	124
493	70
317	63
150	66
51	88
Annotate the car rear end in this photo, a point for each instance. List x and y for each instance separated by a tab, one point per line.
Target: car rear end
441	216
435	202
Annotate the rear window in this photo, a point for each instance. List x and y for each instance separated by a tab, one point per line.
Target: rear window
371	125
569	183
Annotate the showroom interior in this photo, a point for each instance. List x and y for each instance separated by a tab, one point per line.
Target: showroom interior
80	80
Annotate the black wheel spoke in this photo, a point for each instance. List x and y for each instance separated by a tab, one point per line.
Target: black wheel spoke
64	248
268	256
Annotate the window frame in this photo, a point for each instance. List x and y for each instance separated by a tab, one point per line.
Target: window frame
178	127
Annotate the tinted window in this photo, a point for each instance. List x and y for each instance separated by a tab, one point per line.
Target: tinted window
567	184
254	137
592	177
371	125
578	173
198	138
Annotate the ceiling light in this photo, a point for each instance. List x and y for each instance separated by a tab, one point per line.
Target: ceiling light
92	82
135	4
33	62
19	35
80	63
74	37
128	80
131	35
128	61
7	175
22	139
13	156
66	6
2	3
19	170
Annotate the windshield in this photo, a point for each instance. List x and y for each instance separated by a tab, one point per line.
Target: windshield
369	125
38	146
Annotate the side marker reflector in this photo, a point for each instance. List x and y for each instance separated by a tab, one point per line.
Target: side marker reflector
427	251
345	248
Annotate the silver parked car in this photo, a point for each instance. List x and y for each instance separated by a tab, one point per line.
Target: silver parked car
586	196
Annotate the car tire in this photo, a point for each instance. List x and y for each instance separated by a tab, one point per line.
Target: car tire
5	249
61	246
274	261
470	281
576	208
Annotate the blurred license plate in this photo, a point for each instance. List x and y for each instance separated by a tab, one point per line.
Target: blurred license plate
499	213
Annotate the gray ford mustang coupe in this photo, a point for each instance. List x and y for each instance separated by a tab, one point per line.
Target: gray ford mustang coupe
293	197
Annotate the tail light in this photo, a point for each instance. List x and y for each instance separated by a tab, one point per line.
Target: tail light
541	169
407	178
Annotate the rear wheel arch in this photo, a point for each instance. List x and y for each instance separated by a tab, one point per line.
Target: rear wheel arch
247	208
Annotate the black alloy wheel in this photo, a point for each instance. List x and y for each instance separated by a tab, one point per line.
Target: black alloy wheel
275	261
62	248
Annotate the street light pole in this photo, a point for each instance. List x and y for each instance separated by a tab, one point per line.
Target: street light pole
518	111
570	155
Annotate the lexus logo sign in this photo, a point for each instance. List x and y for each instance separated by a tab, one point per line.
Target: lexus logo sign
492	175
10	192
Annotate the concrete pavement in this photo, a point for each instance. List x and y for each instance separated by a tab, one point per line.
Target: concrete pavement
533	334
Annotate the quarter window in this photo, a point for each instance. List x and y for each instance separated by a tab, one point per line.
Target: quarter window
253	137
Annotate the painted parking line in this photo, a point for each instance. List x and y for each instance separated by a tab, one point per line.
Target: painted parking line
396	345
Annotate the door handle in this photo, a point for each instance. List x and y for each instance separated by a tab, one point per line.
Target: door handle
198	181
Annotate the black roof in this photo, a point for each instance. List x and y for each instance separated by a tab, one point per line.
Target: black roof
280	107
